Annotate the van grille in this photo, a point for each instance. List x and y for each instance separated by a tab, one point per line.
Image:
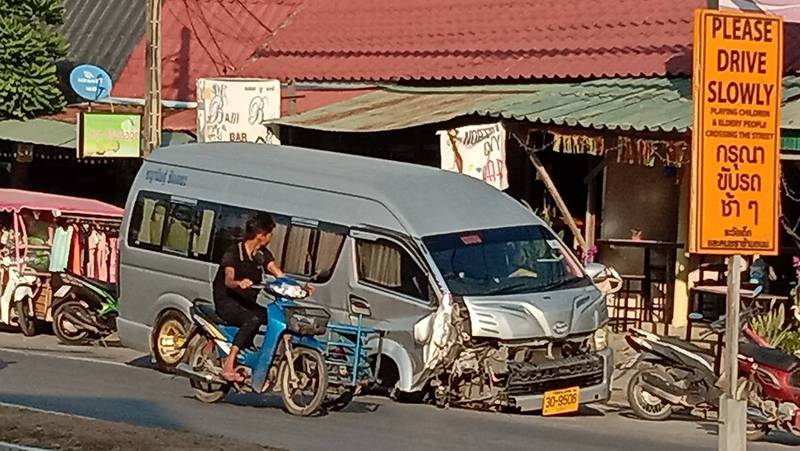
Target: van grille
536	378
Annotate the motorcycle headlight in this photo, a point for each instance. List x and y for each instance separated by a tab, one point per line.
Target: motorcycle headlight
600	339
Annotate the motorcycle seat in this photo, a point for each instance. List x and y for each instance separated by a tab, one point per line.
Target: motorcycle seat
769	356
691	347
206	310
108	287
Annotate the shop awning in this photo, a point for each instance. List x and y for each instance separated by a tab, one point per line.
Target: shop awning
47	132
43	132
639	104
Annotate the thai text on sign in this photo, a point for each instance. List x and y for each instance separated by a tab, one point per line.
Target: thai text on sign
737	94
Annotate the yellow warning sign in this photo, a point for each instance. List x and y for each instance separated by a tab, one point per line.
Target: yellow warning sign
738	65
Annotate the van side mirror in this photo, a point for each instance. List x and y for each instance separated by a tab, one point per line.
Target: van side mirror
597	272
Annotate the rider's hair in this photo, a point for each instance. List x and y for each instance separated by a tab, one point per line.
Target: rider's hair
261	223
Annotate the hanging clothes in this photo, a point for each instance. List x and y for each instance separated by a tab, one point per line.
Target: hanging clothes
59	252
76	257
113	244
93	242
102	257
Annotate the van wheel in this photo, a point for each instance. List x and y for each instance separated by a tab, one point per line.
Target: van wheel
168	338
387	378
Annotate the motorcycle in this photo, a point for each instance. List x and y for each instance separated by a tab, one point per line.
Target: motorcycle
16	300
680	374
83	309
774	400
290	358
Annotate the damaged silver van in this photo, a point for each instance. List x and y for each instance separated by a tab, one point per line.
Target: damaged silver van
482	304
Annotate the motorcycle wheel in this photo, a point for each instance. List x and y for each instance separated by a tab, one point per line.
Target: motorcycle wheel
644	405
66	332
200	360
25	319
307	397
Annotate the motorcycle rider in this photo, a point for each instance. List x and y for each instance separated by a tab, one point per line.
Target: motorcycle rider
234	299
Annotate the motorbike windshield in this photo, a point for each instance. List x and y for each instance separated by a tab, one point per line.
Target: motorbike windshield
511	260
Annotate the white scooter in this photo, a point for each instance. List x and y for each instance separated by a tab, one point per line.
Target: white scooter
16	300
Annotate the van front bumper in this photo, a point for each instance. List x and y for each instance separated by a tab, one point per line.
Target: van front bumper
590	394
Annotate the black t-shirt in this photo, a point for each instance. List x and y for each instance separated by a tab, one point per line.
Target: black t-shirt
244	267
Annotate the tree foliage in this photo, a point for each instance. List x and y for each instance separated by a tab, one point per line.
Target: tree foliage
30	46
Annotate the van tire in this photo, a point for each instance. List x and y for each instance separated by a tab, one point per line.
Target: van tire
167	351
387	378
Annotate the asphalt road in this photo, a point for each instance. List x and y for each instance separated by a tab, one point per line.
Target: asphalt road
101	383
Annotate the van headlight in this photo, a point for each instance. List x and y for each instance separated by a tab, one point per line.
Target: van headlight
600	339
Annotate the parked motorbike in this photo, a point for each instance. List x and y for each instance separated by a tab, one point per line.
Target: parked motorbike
83	309
774	399
679	374
16	299
290	358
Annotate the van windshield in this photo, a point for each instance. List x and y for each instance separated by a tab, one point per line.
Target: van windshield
512	260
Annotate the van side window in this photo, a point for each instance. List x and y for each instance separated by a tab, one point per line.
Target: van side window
229	229
178	233
203	228
147	221
311	250
388	266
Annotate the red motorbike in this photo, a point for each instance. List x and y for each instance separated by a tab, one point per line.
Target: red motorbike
774	395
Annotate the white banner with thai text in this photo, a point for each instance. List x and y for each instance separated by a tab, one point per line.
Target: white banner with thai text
789	9
236	110
478	151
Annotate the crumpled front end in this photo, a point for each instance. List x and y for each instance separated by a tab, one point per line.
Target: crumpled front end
506	353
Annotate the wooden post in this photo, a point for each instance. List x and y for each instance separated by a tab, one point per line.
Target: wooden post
152	101
562	207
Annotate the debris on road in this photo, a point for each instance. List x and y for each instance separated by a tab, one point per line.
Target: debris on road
68	433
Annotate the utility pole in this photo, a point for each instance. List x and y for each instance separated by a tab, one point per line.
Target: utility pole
152	100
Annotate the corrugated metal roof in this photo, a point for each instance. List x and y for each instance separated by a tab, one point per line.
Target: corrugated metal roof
640	104
103	32
394	40
43	132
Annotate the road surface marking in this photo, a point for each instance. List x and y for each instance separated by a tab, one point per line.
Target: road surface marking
53	355
5	446
51	412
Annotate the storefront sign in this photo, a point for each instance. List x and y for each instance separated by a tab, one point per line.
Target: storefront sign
478	151
788	9
738	60
648	152
109	135
236	110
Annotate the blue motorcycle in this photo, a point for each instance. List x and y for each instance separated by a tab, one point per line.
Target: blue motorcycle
289	359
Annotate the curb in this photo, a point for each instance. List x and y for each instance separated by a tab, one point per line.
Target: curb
12	447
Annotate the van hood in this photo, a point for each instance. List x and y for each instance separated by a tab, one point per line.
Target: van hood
546	315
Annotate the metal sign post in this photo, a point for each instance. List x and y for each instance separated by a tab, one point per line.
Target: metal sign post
732	411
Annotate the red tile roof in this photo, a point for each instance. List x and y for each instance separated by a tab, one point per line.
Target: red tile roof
480	39
204	38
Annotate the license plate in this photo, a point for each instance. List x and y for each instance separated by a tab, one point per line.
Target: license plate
561	401
61	292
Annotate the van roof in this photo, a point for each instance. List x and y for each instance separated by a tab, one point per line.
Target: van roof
425	200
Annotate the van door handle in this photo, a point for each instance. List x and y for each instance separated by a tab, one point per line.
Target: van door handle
360	306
